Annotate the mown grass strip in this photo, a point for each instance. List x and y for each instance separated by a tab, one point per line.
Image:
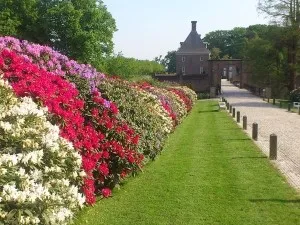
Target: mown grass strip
210	172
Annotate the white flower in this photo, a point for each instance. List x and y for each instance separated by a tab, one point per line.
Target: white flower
6	126
38	172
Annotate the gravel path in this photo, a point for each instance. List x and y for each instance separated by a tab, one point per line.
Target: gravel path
270	119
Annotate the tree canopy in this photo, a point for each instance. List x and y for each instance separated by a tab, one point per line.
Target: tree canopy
82	29
287	14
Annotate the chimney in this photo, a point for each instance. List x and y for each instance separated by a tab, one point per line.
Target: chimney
194	25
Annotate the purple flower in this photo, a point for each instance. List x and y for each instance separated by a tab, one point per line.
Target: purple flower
106	103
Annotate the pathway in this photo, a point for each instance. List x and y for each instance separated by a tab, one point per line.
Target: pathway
270	119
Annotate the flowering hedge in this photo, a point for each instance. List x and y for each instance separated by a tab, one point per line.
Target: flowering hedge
73	118
103	159
40	171
188	92
142	110
171	102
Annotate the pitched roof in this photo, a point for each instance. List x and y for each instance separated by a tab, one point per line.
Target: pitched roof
193	44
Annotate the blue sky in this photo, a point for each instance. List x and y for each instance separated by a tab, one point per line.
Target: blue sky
149	28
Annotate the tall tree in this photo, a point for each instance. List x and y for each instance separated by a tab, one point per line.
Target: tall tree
230	42
286	13
82	29
170	61
218	39
215	53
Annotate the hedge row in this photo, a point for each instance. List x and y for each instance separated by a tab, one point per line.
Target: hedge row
70	133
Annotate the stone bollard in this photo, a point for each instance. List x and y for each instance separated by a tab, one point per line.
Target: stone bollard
289	107
227	106
233	112
230	109
254	131
273	101
268	100
238	116
273	147
245	122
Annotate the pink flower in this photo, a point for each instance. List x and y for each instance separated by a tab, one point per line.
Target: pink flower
106	192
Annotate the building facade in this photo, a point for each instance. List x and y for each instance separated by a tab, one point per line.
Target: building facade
195	69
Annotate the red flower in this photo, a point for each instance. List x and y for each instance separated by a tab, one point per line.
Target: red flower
103	169
106	192
95	130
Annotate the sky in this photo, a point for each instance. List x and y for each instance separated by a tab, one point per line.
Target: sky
149	28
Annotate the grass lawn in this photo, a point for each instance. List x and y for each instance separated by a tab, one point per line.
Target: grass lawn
209	173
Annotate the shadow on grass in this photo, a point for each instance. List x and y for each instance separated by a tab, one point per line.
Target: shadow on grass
237	139
294	201
234	128
250	157
208	111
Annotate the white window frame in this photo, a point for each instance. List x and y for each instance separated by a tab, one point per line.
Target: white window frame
201	58
183	69
201	70
183	58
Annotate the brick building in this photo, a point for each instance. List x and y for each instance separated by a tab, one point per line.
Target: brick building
195	69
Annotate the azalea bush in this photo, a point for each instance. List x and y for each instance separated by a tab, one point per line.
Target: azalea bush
111	123
182	95
143	111
170	101
189	92
105	159
40	171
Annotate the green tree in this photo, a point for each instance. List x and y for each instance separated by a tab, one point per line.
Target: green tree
267	57
170	61
218	39
286	13
129	68
17	17
230	42
215	53
81	29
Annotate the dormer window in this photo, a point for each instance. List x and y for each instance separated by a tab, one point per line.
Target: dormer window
183	58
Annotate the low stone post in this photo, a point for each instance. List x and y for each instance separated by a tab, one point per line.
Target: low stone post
245	122
230	109
254	131
227	106
273	147
233	112
238	116
289	107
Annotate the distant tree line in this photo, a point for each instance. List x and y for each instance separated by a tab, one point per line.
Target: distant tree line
80	29
131	67
271	50
264	47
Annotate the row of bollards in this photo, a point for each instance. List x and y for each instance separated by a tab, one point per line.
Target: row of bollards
273	137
